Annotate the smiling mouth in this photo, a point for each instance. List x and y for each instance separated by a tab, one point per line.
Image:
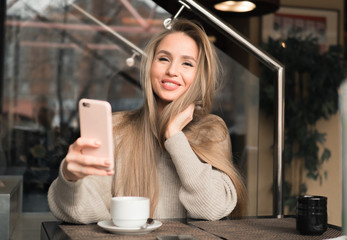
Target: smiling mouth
169	83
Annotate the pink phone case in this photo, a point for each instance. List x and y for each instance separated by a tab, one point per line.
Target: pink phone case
96	122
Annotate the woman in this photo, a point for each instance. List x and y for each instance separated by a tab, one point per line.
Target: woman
171	150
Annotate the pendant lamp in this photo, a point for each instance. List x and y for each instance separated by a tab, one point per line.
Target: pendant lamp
239	8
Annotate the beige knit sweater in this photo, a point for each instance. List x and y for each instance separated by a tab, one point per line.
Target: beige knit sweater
188	188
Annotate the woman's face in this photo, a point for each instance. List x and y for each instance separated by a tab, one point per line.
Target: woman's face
174	66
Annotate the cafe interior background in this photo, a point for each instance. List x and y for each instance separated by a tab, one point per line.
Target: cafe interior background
54	53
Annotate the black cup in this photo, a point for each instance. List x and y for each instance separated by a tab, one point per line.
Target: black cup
311	215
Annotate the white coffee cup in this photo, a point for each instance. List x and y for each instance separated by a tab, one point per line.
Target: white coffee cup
129	212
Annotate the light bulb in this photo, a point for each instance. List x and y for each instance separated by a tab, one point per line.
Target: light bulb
235	6
130	61
167	23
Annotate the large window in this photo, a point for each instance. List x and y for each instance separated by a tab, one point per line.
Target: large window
57	52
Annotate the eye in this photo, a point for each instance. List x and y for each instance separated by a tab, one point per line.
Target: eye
188	64
163	59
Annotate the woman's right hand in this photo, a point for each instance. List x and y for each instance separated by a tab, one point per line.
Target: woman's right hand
78	166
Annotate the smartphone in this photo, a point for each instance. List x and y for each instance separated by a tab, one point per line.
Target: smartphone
96	122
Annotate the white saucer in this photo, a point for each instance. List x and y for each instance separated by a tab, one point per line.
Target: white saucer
109	226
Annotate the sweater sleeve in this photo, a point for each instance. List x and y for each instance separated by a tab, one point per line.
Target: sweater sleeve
206	192
84	201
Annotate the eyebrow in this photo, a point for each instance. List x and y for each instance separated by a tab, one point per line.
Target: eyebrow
168	53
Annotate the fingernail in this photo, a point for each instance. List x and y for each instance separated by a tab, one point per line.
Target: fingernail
110	172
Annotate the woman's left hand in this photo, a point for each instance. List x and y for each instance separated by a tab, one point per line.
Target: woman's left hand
180	121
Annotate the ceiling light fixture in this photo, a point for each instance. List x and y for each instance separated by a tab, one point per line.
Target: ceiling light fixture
131	60
235	6
167	22
241	8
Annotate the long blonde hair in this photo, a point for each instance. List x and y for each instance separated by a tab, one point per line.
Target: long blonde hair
141	132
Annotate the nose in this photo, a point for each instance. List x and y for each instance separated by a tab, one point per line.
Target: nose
172	69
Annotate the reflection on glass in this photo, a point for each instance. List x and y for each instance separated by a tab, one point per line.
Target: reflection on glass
56	55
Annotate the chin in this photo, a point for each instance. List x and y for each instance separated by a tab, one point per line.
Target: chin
168	99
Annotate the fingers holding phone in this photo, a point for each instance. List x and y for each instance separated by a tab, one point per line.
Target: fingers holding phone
78	165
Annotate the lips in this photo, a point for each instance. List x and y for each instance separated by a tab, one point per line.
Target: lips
170	84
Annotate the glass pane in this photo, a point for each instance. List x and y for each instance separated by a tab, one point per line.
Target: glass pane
57	53
238	104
